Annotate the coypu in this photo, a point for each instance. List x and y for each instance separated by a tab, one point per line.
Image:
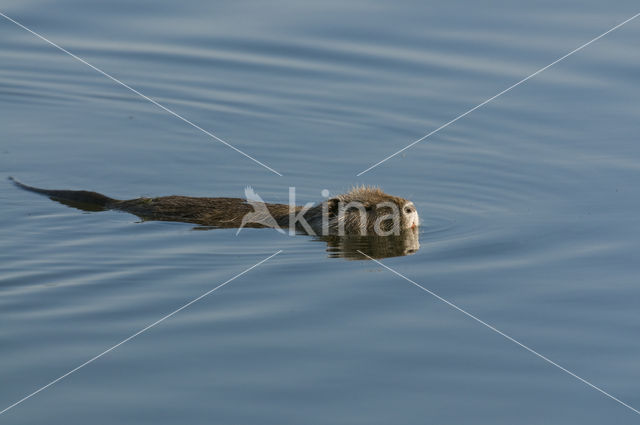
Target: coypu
361	211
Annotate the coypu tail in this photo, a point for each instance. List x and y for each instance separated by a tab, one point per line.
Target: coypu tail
85	200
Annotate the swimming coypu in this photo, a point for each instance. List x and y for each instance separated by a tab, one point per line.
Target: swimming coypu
361	211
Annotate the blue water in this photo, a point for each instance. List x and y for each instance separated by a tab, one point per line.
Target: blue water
529	206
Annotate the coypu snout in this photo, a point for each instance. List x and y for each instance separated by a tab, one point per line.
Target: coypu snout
411	218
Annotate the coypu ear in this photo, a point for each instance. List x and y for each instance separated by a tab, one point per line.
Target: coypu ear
368	205
332	206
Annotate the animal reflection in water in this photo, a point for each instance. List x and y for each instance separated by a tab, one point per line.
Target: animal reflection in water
363	219
351	247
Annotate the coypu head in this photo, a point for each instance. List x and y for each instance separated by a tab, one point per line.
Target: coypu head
364	211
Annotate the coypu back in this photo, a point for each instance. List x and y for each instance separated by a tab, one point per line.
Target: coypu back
213	212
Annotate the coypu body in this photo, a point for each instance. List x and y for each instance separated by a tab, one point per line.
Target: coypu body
362	211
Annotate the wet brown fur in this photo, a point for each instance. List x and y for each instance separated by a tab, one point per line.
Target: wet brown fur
229	212
340	214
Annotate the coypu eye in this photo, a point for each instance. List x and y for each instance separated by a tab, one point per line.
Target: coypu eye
408	210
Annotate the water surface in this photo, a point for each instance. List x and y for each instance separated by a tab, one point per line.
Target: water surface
529	205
